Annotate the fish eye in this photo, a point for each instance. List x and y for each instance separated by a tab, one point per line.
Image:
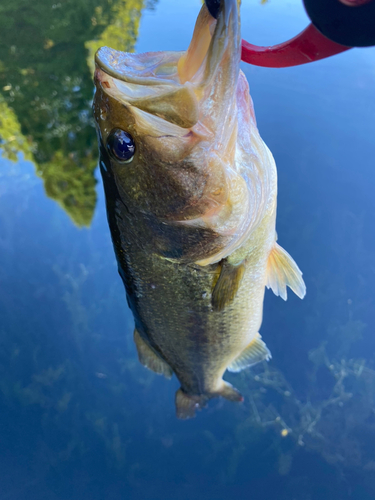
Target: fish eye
121	145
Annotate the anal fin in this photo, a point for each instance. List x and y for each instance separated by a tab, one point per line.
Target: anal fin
282	271
150	359
227	285
254	353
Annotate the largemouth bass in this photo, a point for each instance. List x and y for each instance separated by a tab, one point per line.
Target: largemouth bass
191	201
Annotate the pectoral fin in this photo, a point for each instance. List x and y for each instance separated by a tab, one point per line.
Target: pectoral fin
150	359
227	285
282	271
255	352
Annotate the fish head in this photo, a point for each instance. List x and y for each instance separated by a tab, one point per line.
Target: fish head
168	126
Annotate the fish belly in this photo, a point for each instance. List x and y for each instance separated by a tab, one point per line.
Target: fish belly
172	306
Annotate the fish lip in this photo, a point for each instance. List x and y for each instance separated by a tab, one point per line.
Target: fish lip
224	50
123	65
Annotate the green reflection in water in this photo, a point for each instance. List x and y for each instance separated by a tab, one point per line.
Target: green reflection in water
46	64
13	141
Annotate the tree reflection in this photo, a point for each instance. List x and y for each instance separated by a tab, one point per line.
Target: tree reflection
46	87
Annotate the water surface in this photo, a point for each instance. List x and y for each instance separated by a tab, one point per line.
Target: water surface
80	418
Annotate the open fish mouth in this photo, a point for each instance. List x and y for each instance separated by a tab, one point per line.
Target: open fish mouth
175	86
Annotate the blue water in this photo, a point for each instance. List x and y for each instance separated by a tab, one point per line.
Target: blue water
79	417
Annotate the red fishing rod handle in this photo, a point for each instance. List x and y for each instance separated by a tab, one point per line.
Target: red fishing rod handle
308	46
337	25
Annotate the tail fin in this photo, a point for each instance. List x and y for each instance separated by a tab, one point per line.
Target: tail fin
188	404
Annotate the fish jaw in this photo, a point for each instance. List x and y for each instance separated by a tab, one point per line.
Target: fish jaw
181	108
164	83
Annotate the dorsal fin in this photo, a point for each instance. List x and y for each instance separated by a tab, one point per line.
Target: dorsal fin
227	285
282	271
255	352
149	358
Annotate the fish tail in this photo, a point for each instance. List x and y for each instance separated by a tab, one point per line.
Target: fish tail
188	404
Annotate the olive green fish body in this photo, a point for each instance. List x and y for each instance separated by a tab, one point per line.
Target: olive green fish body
191	201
